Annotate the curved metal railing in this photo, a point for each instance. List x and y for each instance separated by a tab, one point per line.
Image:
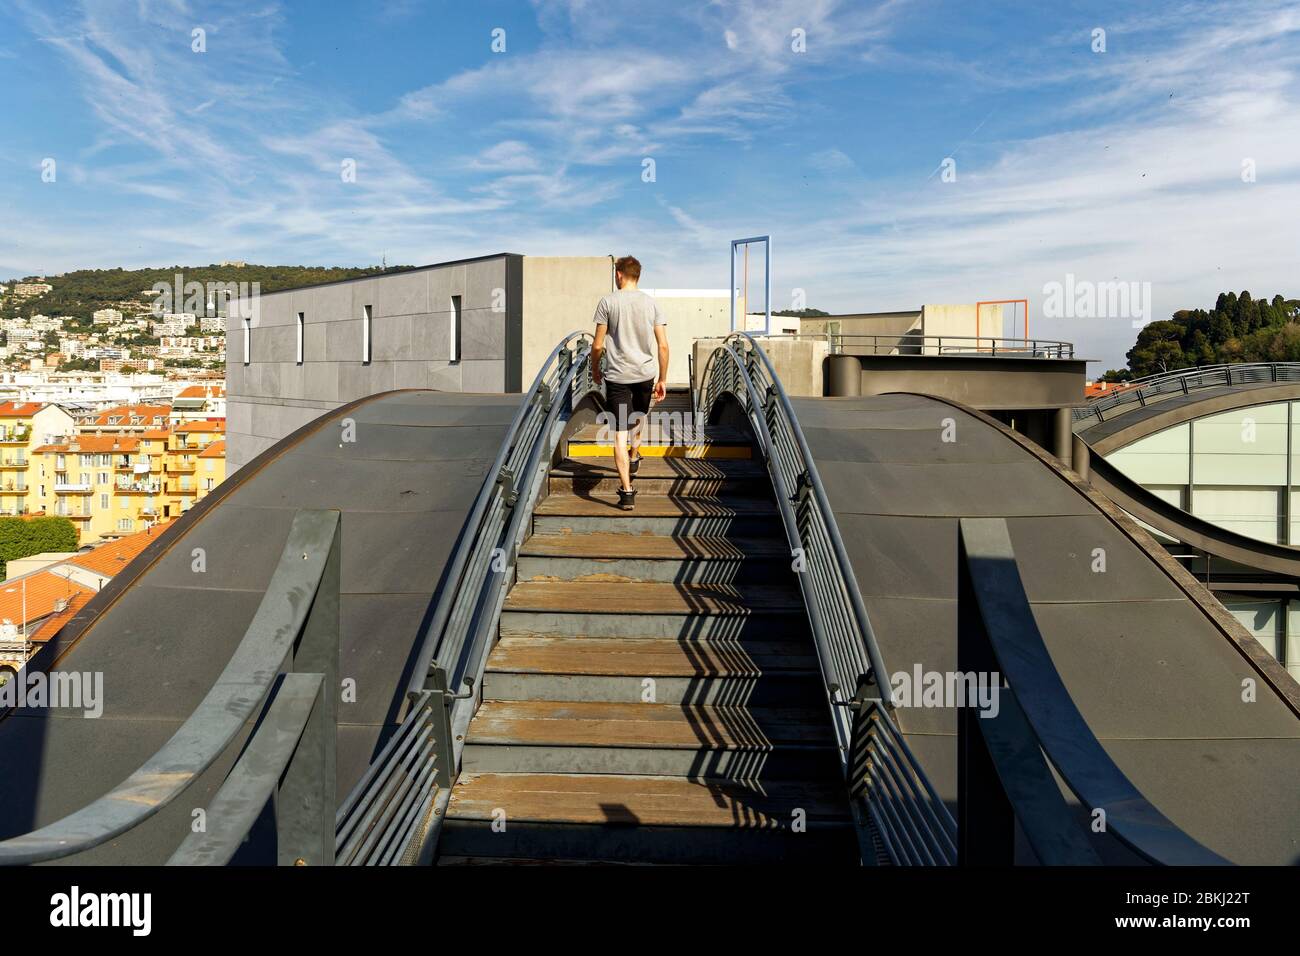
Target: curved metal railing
393	813
1140	391
906	815
286	670
1037	721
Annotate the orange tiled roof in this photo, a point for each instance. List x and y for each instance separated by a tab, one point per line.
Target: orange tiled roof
202	391
1093	389
51	625
213	425
44	589
94	444
156	434
110	558
144	413
216	449
20	409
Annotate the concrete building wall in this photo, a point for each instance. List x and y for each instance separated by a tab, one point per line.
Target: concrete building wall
799	363
960	320
560	297
692	314
862	323
411	321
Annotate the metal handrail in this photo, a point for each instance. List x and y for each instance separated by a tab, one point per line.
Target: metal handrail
1038	718
1181	381
916	343
295	626
393	813
908	816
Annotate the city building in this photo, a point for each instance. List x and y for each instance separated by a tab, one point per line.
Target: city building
24	426
188	474
99	482
42	593
199	402
473	325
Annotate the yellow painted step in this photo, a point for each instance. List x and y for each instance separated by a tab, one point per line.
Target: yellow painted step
704	450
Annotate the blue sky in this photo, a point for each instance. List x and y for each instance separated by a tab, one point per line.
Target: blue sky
1123	165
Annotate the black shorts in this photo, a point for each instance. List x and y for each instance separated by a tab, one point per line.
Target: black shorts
622	399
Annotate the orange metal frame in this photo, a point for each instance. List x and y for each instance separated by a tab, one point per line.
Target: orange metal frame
1000	302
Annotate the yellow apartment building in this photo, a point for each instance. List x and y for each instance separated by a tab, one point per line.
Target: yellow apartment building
24	425
189	473
105	484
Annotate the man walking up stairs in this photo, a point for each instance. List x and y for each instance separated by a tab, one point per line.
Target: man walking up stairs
630	330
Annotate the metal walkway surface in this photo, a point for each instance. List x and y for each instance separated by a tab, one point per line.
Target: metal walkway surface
1156	667
892	511
403	474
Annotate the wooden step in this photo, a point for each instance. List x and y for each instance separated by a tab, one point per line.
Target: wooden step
639	819
648	801
637	670
658	514
649	658
606	556
684	477
683	740
645	598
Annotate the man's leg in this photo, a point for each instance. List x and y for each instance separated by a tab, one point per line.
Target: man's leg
635	436
621	460
640	428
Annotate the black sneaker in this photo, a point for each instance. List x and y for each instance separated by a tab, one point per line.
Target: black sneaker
627	499
634	463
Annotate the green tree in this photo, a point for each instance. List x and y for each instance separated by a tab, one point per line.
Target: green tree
23	537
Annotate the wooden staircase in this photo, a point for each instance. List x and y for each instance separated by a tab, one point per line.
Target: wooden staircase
654	694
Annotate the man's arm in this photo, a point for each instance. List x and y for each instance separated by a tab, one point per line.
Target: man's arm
661	386
598	344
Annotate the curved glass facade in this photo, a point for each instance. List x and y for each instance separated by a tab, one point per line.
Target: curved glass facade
1240	470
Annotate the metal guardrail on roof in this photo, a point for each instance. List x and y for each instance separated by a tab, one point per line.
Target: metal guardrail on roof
915	343
906	814
394	813
1142	391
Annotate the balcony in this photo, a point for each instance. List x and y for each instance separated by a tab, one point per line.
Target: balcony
13	463
17	436
74	515
137	488
181	467
68	488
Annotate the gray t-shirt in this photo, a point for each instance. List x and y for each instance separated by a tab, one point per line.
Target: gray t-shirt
631	350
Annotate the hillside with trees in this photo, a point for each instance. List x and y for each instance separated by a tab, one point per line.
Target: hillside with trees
85	291
1238	329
